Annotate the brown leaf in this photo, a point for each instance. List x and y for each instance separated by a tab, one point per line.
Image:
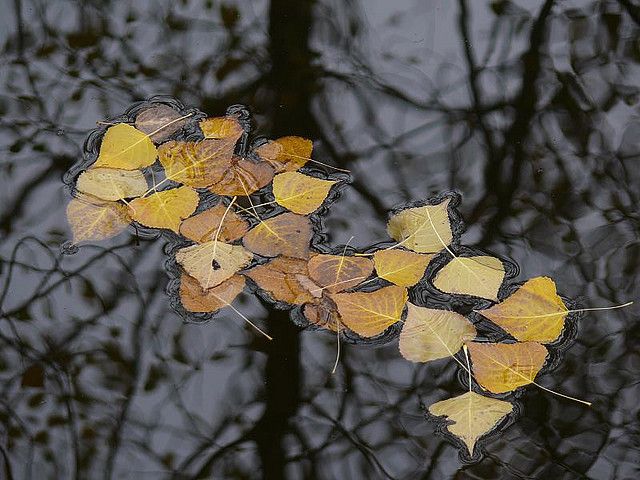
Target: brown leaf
195	299
159	122
203	226
242	177
94	219
336	273
323	312
286	153
286	280
286	234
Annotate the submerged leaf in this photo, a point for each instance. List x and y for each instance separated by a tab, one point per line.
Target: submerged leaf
286	234
480	276
286	280
286	153
472	415
211	263
336	273
125	148
534	312
159	122
422	229
195	299
371	313
300	193
429	334
94	219
203	226
165	209
111	183
400	266
502	367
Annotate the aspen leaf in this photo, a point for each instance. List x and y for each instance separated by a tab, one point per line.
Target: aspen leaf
286	234
195	299
429	334
111	183
300	193
165	209
159	122
93	219
203	226
534	312
472	415
125	148
211	263
221	127
286	280
323	312
422	229
286	153
502	367
371	313
401	267
480	276
242	177
336	273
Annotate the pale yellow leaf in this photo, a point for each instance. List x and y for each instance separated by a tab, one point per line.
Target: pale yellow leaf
480	276
93	219
111	183
422	229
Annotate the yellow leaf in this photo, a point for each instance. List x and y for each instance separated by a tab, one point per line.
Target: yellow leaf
534	312
422	229
338	272
502	367
203	226
211	263
429	334
400	266
285	280
286	153
165	209
126	148
300	193
371	313
221	127
480	276
197	300
93	219
472	415
111	183
286	234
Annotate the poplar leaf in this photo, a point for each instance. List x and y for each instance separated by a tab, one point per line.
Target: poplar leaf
93	219
242	177
126	148
165	209
112	184
480	276
300	193
198	300
323	313
336	273
286	280
401	267
203	226
221	127
286	153
159	122
286	234
422	229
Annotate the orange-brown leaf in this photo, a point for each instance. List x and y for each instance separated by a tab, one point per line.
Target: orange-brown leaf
336	273
221	127
286	153
242	177
286	234
197	300
203	226
323	312
286	280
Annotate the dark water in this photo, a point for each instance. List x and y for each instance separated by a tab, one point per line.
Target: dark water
531	110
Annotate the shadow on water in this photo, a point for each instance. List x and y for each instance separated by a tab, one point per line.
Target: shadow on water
530	109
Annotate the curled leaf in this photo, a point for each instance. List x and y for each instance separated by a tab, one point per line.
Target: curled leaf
400	266
203	226
94	219
323	313
165	209
534	312
286	234
429	334
480	276
371	313
286	280
195	299
335	273
502	367
111	183
472	415
422	229
286	154
125	148
300	193
159	122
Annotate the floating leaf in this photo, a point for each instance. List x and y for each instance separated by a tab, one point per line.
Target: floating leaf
94	219
480	276
336	273
126	148
286	234
472	415
286	153
286	280
242	177
195	299
203	226
422	229
165	209
400	266
211	263
300	193
429	334
323	312
160	122
111	183
221	127
371	313
502	367
534	312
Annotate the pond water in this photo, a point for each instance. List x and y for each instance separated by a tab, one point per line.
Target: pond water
529	109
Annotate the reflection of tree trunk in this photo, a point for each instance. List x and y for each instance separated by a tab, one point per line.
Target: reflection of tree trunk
291	85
